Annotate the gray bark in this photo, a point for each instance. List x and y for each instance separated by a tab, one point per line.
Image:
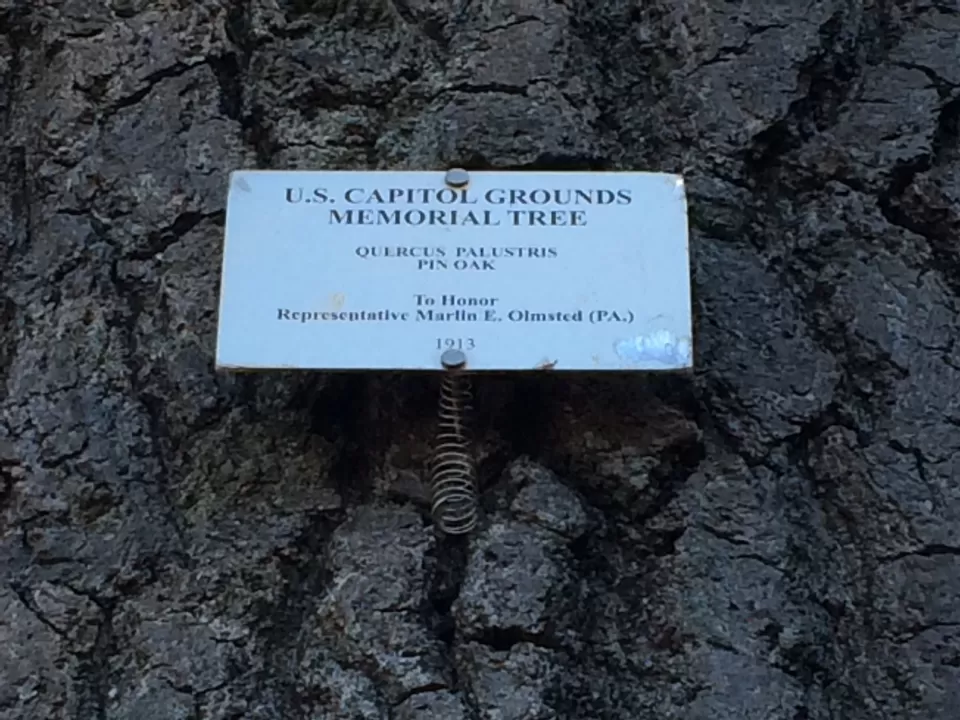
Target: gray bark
777	538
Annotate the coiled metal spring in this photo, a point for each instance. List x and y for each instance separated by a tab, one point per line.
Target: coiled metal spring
453	476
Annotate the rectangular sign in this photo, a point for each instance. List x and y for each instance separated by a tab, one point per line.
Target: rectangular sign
386	270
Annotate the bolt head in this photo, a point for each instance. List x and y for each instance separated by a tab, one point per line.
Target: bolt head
452	359
457	177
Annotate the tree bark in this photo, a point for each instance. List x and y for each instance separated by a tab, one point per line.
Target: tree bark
777	537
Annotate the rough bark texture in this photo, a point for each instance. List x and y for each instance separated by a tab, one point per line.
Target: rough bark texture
777	538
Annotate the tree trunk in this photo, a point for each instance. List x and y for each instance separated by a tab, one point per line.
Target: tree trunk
776	538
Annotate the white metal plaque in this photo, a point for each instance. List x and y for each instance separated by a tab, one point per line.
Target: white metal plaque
347	270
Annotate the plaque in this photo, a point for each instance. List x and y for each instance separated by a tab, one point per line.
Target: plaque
387	270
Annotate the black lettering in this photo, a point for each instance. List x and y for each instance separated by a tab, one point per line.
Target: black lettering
473	265
415	217
540	197
494	196
431	265
467	301
451	316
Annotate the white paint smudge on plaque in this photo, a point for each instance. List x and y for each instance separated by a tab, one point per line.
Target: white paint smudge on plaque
661	347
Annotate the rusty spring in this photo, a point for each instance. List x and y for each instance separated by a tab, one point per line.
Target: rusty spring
453	476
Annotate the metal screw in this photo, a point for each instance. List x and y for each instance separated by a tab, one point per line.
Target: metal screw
453	359
457	177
